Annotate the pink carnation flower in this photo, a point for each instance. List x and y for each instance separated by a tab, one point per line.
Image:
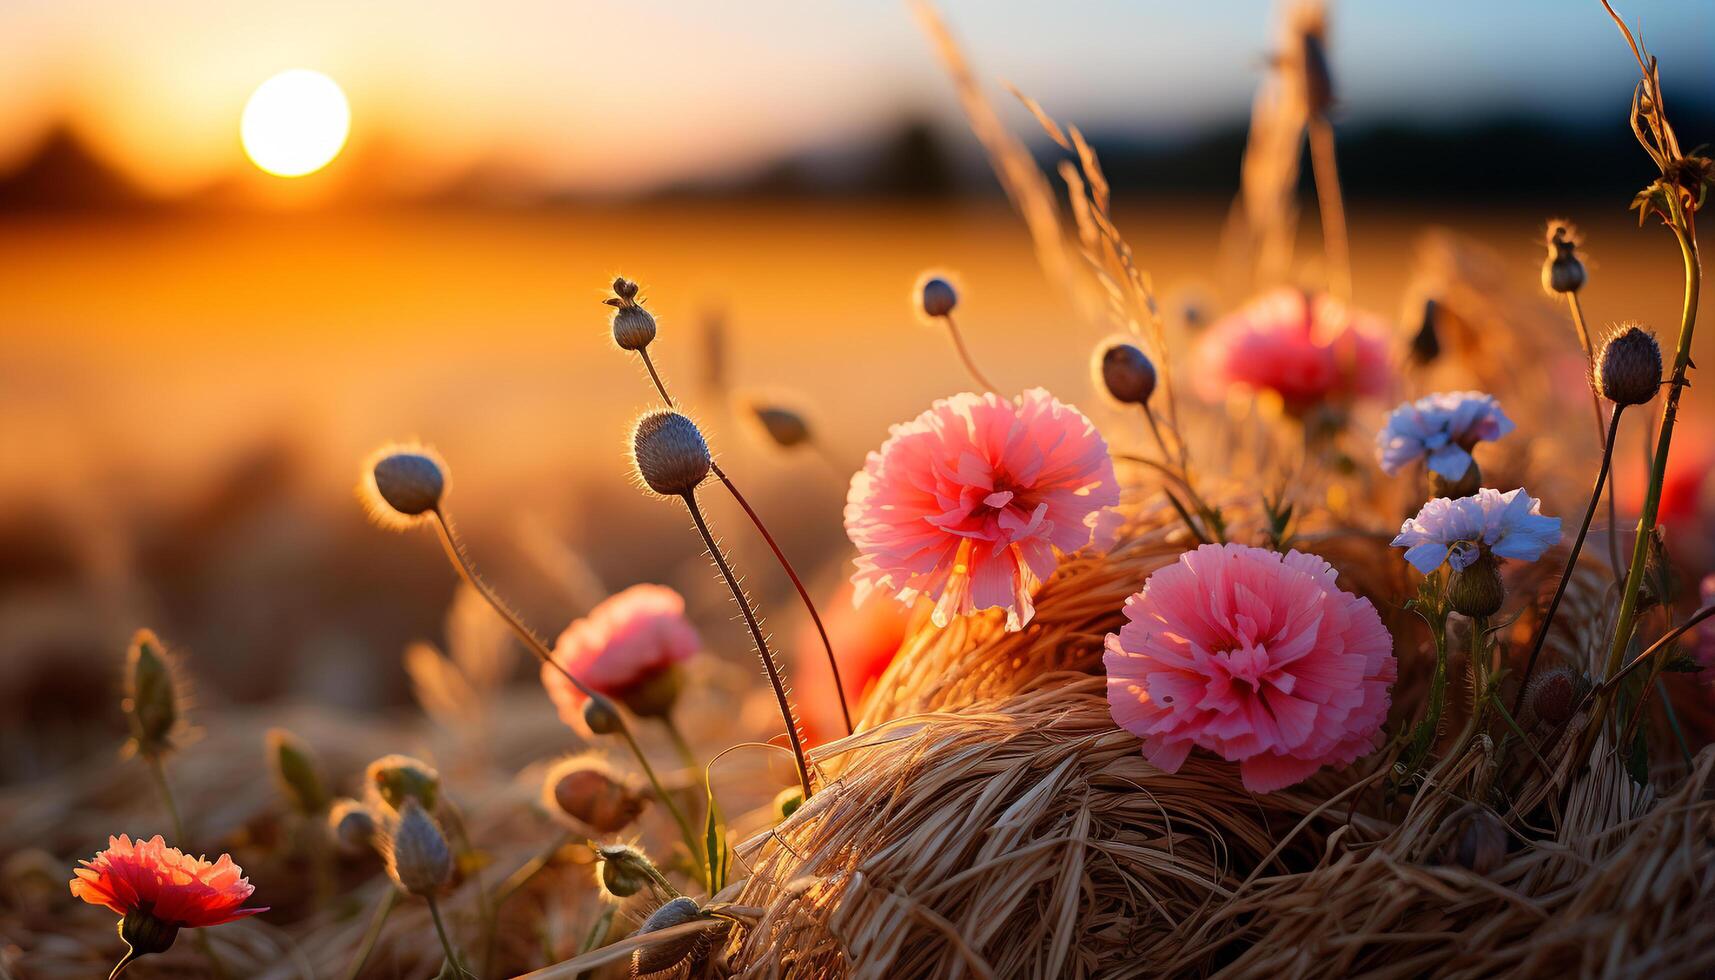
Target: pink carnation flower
630	639
1307	348
1255	656
968	502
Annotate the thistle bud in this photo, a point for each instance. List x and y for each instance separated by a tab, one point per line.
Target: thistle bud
398	779
1562	270
1426	343
1465	486
586	791
418	858
401	484
787	802
352	826
935	296
675	957
1480	842
146	934
784	427
1477	590
1551	696
1125	373
633	327
151	703
623	870
669	453
294	771
1628	367
601	716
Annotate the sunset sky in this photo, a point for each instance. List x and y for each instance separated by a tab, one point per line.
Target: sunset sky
604	95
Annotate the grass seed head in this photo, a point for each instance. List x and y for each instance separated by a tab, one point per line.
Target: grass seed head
670	453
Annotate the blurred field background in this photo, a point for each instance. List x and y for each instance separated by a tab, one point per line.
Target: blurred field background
194	357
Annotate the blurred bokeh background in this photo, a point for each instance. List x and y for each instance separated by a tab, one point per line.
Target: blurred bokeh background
196	354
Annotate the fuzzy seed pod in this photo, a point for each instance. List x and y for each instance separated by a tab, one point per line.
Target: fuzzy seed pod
1551	696
1562	270
1426	343
401	484
587	792
787	802
633	327
1628	367
623	870
295	771
1125	373
398	779
418	858
669	453
1477	590
151	702
1465	486
935	296
601	716
784	427
352	826
677	957
1480	843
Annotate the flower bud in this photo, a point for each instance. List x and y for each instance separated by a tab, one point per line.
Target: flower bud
418	858
402	484
398	779
624	288
1125	373
633	327
655	695
145	933
787	802
151	703
295	771
1480	842
1465	486
784	427
1562	270
623	870
601	716
1477	590
352	826
1551	696
586	791
675	957
1628	367
669	453
935	296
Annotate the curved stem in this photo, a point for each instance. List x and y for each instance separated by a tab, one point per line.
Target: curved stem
377	922
124	962
687	755
965	354
518	879
1656	647
1589	346
768	663
1571	557
1332	207
455	554
798	584
654	376
446	941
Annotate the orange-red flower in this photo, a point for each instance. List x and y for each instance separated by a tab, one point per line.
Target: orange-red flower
149	880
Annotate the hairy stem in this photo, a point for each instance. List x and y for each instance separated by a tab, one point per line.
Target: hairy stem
965	354
768	663
1571	556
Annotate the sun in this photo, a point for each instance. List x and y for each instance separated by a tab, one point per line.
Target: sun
295	123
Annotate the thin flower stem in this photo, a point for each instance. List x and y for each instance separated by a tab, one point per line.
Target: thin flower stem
1589	346
768	663
377	922
124	963
446	941
1656	647
455	554
965	354
1332	206
1571	556
779	556
1626	621
687	755
158	770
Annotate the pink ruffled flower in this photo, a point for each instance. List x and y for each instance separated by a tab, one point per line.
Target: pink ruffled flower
1255	656
148	877
629	640
968	502
1307	348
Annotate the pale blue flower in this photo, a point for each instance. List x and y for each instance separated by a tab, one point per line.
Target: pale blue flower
1509	525
1440	429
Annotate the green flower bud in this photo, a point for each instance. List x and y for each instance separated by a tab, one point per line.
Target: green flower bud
295	771
151	702
400	778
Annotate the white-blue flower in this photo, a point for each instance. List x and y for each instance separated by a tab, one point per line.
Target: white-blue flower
1509	524
1440	429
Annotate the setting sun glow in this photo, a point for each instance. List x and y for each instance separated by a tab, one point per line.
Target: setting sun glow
295	123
